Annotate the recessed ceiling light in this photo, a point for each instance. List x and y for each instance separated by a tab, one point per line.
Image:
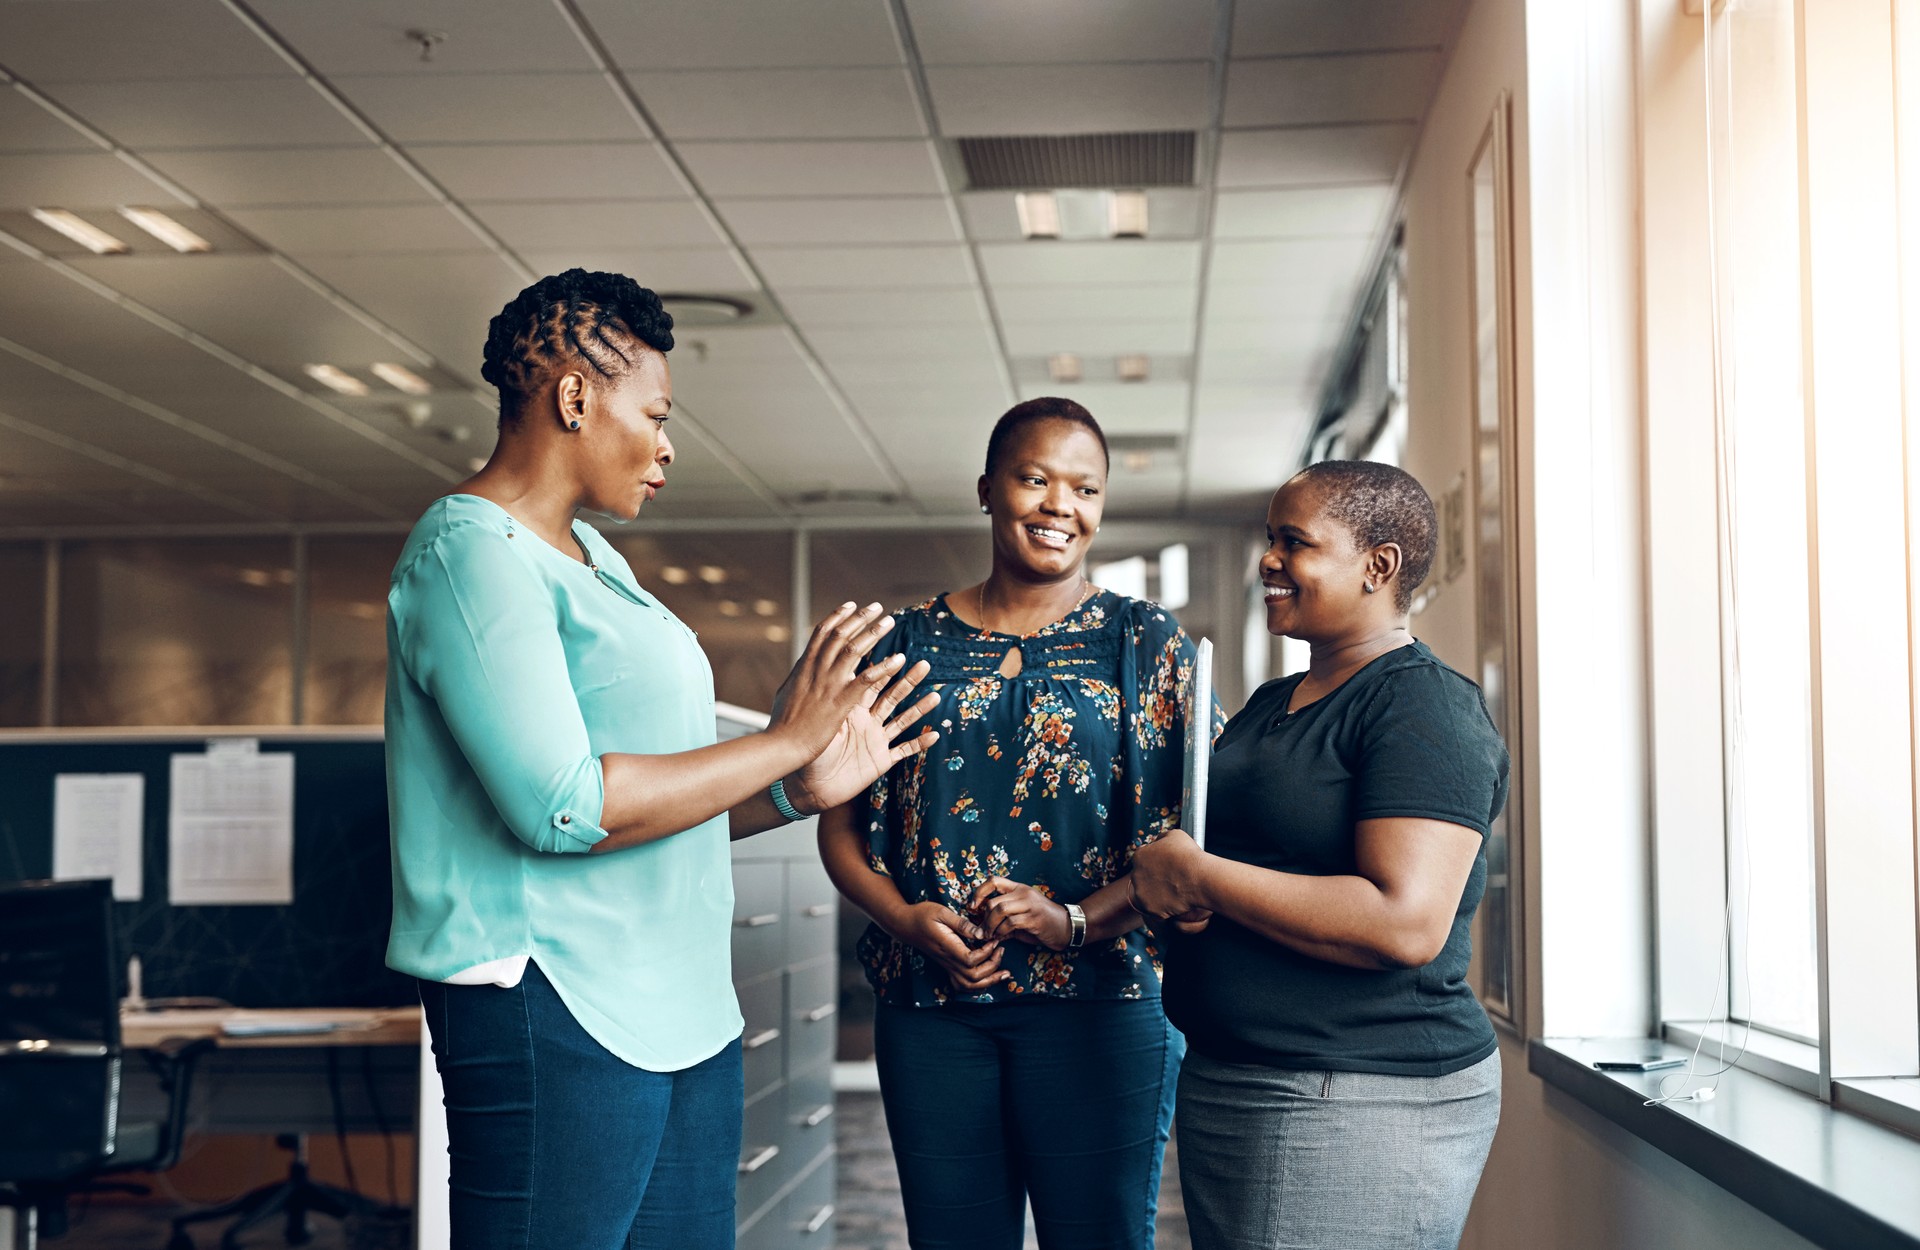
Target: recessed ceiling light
765	607
729	608
712	574
336	379
778	633
1039	214
674	575
1127	215
1136	461
1064	367
1131	368
166	229
402	379
81	231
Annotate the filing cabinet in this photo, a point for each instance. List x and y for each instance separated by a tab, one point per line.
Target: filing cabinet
785	969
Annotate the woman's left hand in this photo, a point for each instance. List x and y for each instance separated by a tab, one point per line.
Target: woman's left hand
1012	909
863	747
1166	877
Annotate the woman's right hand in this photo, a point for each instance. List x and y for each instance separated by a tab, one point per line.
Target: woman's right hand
826	684
955	943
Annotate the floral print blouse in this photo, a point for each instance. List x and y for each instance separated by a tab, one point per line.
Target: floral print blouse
1052	777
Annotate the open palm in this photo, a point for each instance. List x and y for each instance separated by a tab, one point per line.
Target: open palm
864	746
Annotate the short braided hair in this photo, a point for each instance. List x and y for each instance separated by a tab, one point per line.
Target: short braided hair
1034	411
1380	504
600	319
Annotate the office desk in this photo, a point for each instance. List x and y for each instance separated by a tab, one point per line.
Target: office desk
362	1075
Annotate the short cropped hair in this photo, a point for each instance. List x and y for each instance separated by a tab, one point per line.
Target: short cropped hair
1380	504
1034	411
602	320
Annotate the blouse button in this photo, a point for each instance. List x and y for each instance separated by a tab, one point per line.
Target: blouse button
566	820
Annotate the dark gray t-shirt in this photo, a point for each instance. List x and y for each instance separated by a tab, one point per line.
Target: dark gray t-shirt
1405	736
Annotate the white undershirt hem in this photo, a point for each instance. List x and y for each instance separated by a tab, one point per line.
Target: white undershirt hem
505	973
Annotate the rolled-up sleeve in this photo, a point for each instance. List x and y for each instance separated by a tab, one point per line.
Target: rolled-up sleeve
478	632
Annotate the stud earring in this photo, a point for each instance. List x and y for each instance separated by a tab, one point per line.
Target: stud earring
1369	587
573	425
984	508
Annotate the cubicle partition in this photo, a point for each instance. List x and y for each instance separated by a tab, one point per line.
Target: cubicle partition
324	947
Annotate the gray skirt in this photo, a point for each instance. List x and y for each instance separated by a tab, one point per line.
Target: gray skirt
1275	1159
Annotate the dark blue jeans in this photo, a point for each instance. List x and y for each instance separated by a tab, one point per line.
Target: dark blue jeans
556	1144
1060	1102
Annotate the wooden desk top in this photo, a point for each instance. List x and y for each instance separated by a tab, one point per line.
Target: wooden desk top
320	1026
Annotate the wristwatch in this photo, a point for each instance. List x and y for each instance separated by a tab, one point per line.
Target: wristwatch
1077	925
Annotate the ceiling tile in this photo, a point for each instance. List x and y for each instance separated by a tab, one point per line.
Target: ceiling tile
1069	99
281	111
1284	27
648	224
1001	32
863	267
948	306
1328	300
1308	212
699	34
1299	91
1292	262
280	177
1236	334
874	373
752	170
73	180
904	340
26	127
782	103
1097	338
1262	367
903	220
632	170
143	39
676	269
1313	155
442	302
480	36
359	230
992	216
1124	408
1163	302
1114	262
492	108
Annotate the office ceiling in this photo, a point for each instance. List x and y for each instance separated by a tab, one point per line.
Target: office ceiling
368	203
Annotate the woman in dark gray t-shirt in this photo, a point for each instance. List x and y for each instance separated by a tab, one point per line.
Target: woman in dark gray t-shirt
1342	1084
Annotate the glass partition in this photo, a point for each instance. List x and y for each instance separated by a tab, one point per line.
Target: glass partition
22	624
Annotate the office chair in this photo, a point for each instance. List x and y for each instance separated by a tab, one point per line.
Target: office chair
60	1057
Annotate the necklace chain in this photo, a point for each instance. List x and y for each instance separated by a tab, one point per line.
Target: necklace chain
980	603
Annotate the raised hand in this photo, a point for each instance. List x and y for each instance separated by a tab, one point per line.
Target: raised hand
864	746
826	684
1006	909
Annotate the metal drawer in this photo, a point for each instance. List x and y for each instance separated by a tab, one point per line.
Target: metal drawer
812	906
759	919
763	1041
810	1109
808	1211
813	1006
767	1154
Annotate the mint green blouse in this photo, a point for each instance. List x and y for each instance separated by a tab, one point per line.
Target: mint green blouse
511	669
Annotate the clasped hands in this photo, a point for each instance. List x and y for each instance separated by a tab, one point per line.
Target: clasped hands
1167	882
970	946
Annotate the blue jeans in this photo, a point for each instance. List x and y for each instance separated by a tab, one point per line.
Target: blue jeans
1065	1103
556	1144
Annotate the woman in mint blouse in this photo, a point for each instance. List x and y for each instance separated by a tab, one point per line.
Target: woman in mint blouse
561	811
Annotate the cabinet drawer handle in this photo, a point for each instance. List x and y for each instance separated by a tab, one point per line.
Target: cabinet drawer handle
760	921
759	1160
760	1039
818	1116
821	1012
819	1220
818	910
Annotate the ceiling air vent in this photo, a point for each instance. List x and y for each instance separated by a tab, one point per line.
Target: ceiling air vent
1025	162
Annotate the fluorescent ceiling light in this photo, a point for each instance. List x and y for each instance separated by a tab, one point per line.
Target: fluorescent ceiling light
1127	215
83	232
336	380
1039	214
1131	368
1064	367
166	229
402	379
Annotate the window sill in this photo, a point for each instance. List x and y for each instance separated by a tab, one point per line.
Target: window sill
1833	1177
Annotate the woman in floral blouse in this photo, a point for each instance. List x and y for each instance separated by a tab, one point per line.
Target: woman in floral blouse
1022	1049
